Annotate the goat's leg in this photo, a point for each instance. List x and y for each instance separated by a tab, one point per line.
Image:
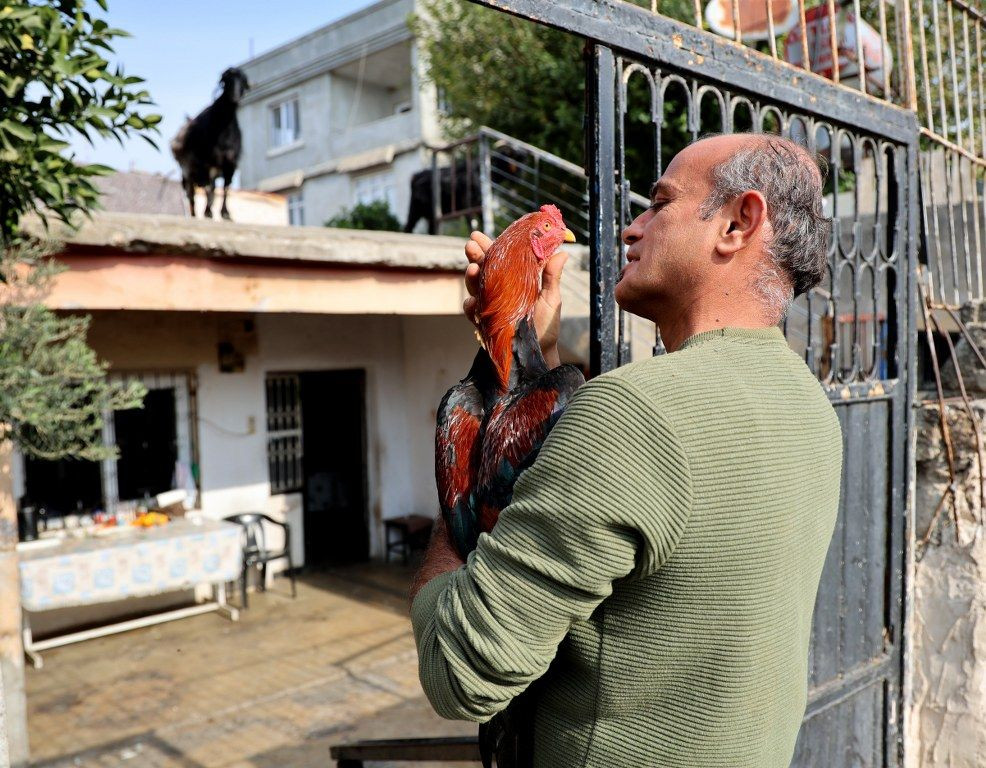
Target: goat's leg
190	194
210	196
227	180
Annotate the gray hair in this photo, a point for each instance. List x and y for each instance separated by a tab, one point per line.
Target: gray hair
791	182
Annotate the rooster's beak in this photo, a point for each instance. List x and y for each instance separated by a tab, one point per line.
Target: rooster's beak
569	236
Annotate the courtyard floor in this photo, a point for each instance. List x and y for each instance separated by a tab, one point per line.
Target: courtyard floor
273	690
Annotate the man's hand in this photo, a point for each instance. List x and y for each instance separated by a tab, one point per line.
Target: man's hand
441	557
547	311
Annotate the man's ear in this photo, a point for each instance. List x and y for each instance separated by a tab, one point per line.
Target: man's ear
742	221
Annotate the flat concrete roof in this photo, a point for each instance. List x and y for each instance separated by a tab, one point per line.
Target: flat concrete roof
216	239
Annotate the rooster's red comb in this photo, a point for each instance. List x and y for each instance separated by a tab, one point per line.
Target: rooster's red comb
553	212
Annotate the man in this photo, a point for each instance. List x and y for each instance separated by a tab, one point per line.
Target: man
658	565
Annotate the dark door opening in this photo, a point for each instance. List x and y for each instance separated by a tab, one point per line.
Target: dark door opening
334	492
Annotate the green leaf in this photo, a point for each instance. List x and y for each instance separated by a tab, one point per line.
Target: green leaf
18	130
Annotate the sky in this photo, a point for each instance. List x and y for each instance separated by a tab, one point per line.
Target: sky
180	47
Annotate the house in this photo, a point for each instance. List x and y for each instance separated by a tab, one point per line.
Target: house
290	370
293	371
339	116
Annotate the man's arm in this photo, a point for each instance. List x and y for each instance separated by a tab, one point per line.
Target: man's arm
607	498
440	557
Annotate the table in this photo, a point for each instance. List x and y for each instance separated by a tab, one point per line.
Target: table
131	562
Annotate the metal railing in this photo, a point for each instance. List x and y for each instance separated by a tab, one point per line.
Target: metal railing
489	179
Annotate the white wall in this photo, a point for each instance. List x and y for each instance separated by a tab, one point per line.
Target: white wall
409	362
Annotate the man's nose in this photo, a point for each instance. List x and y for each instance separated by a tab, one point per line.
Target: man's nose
632	233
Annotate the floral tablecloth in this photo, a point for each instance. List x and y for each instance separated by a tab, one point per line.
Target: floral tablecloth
132	563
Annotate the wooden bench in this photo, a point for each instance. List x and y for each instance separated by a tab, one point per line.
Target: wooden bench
412	531
443	750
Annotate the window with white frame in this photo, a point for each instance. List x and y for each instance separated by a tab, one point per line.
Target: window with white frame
296	209
284	446
377	186
285	123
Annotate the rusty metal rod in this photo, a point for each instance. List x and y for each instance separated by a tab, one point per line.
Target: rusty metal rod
963	6
737	29
905	62
771	34
953	146
883	42
698	14
860	57
926	75
965	332
934	518
942	416
979	91
973	420
968	84
804	34
941	68
833	42
955	75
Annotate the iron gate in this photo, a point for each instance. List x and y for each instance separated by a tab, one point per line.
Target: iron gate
855	331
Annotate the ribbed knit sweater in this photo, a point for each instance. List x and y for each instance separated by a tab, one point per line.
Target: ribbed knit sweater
657	566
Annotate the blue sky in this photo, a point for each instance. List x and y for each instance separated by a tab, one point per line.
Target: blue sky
182	46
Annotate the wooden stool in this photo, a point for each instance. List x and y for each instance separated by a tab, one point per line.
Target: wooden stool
412	531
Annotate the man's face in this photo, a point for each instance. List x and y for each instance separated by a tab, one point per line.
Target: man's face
670	247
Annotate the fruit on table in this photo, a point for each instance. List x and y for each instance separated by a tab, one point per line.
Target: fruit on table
149	519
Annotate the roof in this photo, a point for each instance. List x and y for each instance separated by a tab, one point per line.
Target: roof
162	234
139	192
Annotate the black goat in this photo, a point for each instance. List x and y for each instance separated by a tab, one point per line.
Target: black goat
208	145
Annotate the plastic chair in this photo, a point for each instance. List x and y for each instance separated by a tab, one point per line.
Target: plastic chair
255	551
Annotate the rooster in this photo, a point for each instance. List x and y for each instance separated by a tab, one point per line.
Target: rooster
492	424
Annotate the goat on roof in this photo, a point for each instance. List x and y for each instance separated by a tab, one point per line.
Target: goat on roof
208	145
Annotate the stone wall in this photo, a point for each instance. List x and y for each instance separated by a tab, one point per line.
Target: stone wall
948	630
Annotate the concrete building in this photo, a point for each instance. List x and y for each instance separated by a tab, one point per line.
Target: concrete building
339	116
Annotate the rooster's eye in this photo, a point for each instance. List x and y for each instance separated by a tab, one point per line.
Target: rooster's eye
547	226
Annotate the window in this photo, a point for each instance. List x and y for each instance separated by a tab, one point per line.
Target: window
284	446
378	186
285	123
296	209
155	454
155	442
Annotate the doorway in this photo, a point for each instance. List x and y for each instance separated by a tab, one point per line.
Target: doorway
334	467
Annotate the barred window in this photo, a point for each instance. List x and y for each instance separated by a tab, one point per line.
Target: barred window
284	447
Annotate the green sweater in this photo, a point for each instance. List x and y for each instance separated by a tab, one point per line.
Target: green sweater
658	567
